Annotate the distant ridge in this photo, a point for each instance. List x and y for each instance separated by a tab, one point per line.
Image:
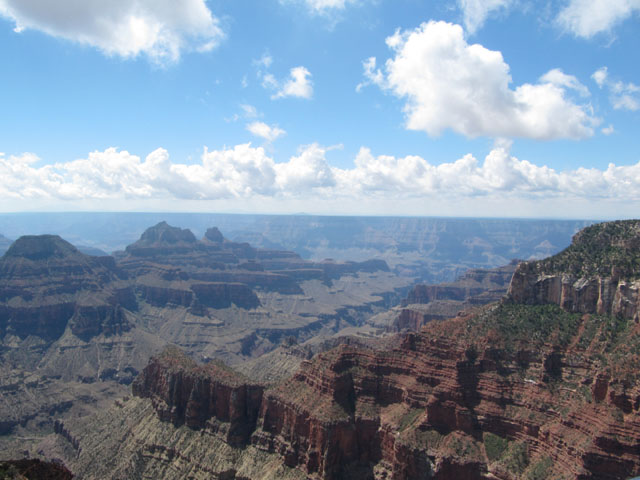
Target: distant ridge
40	247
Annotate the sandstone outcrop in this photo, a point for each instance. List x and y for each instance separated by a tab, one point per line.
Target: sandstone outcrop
210	396
598	273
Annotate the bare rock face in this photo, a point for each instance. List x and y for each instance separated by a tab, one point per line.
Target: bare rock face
202	397
426	303
162	238
170	254
477	286
221	295
214	235
512	390
76	329
46	284
598	273
452	402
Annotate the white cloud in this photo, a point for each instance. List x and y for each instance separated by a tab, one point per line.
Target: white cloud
269	133
307	171
475	12
623	96
626	102
600	76
608	130
448	83
323	7
245	173
160	29
586	18
372	75
249	110
298	85
559	78
269	81
264	61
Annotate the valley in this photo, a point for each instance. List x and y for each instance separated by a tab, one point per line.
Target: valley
208	358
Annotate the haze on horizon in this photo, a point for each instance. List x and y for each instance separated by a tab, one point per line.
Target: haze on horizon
500	108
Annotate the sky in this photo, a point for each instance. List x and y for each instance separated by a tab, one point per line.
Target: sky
495	108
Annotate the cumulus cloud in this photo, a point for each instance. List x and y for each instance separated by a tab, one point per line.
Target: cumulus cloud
475	12
600	76
267	132
586	18
450	84
307	171
297	85
244	172
623	96
160	29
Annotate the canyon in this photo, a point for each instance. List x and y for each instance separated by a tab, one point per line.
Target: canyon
76	329
527	387
427	250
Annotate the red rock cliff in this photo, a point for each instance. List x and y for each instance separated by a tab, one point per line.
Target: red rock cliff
210	396
510	391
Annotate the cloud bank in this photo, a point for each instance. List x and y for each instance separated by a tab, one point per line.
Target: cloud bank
159	29
448	83
247	173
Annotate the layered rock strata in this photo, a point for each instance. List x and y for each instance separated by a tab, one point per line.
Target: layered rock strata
46	284
598	273
520	389
476	287
210	396
432	408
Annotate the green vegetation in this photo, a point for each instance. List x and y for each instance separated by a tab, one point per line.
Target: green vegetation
530	323
598	248
423	438
512	455
516	458
494	446
540	470
464	447
409	418
590	328
612	331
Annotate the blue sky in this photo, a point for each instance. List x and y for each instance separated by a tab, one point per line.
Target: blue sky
461	107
